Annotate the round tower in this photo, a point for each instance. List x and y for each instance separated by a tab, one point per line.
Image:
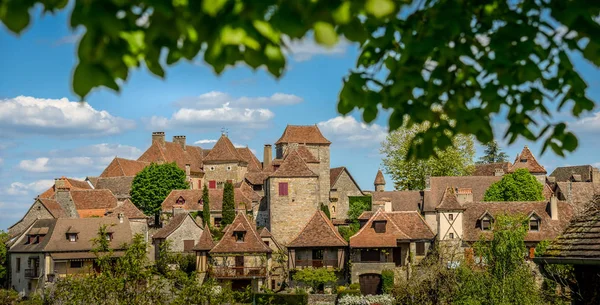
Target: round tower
379	182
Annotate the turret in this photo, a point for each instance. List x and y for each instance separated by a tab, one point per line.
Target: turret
379	182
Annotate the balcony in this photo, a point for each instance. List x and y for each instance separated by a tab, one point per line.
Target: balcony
32	273
237	272
317	263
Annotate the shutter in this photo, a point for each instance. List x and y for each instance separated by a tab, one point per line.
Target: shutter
292	259
340	258
212	184
188	245
283	189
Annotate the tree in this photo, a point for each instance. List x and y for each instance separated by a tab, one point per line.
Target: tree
493	154
228	205
153	184
325	209
205	207
315	277
4	263
410	173
357	205
475	60
517	186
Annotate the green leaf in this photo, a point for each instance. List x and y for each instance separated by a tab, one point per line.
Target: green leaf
342	14
232	36
87	76
325	33
212	7
16	16
380	8
265	29
592	52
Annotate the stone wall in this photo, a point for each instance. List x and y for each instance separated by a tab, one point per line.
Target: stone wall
222	172
345	187
322	299
37	211
289	214
188	230
358	269
322	153
431	220
250	260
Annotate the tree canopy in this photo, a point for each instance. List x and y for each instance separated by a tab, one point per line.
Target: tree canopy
228	204
435	60
153	184
205	207
410	173
517	186
492	154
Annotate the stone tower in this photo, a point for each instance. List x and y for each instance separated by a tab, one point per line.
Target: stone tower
379	182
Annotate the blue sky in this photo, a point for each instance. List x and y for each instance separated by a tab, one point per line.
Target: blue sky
44	134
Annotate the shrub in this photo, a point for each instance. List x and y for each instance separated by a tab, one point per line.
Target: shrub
281	298
384	299
353	292
354	286
315	277
387	278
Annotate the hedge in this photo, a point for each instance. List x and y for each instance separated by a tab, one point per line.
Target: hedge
281	298
348	292
387	279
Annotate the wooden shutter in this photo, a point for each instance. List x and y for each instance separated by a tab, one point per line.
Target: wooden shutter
340	258
188	245
212	184
292	259
283	189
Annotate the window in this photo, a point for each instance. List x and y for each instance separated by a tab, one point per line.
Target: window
317	254
523	160
451	235
239	236
486	224
188	245
370	256
228	168
379	226
266	242
180	200
257	187
72	237
283	188
212	168
534	224
18	264
333	209
217	222
212	184
75	264
451	216
420	248
109	236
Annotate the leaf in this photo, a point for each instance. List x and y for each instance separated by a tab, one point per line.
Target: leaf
16	16
341	15
232	36
325	33
380	8
88	76
592	52
265	29
212	7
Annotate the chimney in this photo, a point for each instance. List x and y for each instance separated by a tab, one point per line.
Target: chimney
554	207
595	175
158	136
179	140
427	183
63	197
464	195
267	156
499	172
121	216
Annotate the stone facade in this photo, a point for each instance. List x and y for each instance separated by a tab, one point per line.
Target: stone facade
343	188
288	214
37	211
223	172
188	230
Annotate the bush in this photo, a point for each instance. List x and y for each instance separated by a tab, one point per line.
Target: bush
315	277
384	299
281	298
387	279
354	292
354	286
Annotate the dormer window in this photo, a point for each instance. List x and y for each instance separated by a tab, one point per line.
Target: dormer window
523	160
486	224
534	224
239	236
180	200
72	237
379	226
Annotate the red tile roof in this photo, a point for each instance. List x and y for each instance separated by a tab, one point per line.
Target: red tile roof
252	242
403	226
119	167
401	200
223	151
293	166
305	154
318	232
93	199
242	194
334	174
173	152
248	156
206	242
477	184
302	134
449	201
192	200
526	160
128	209
73	184
53	207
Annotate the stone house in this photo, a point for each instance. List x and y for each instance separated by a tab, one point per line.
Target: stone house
120	167
42	208
181	232
526	160
318	245
137	220
579	173
342	186
241	256
52	248
388	240
119	186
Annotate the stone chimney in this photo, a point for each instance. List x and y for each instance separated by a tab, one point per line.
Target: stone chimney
158	136
179	140
427	183
554	207
267	156
498	172
464	195
63	197
595	175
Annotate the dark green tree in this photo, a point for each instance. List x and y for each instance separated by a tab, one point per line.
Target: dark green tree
492	154
153	184
474	59
517	186
205	207
4	237
228	204
325	209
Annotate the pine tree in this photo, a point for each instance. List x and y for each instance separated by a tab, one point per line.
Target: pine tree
493	154
228	204
205	207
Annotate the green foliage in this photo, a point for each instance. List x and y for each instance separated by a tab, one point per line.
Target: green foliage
315	277
558	278
517	186
153	184
282	298
409	173
472	61
387	280
228	205
492	154
357	205
348	231
325	209
4	237
356	292
354	286
205	207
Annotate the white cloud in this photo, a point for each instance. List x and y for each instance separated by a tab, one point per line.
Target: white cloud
588	124
19	188
215	99
205	141
349	132
304	49
58	117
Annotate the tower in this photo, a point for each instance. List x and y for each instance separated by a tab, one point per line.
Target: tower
379	182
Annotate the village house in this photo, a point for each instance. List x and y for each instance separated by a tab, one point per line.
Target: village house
342	187
278	271
54	248
181	232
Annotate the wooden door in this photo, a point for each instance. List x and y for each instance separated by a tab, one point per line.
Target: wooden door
370	284
239	265
397	255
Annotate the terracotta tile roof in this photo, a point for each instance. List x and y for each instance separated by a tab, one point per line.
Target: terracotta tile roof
334	174
70	183
564	173
398	226
205	243
264	232
477	184
293	166
549	229
128	209
304	153
119	186
449	201
248	156
123	167
256	178
173	152
309	134
252	242
401	200
318	232
53	207
86	229
489	169
93	199
223	151
379	179
547	192
192	200
578	194
175	222
526	160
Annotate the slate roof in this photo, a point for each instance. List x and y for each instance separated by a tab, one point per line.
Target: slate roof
477	184
449	201
403	226
379	179
531	164
564	173
205	243
318	232
252	242
307	134
119	167
173	152
176	221
128	209
401	200
549	229
293	166
223	151
489	169
119	186
193	200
